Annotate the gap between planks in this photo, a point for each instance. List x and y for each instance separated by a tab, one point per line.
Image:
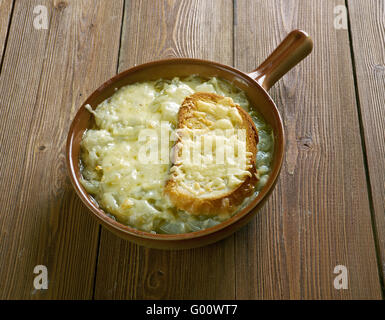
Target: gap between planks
365	158
2	54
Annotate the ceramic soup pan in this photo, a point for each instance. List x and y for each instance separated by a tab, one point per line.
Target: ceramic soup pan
295	47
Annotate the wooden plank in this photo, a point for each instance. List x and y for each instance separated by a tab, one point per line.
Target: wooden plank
318	216
5	16
46	75
154	30
368	40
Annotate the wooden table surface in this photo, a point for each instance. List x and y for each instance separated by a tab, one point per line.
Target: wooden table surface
327	209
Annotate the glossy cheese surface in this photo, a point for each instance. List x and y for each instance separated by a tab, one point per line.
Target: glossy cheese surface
125	163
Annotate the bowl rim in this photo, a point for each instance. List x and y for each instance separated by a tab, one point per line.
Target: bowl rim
87	199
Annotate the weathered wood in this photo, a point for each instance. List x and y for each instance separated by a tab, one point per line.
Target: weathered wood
154	30
5	16
368	39
318	216
46	75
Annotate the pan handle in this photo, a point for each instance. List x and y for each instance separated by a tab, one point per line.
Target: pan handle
294	48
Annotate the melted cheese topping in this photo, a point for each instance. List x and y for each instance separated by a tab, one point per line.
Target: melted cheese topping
113	172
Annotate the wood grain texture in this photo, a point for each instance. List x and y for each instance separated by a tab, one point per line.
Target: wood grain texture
367	21
154	30
46	76
318	216
5	16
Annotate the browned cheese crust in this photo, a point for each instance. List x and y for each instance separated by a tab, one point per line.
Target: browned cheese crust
227	203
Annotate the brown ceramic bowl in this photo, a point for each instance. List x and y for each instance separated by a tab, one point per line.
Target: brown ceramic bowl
296	46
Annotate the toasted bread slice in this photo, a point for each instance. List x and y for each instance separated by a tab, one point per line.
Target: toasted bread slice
221	172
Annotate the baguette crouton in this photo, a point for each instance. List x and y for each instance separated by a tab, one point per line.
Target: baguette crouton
210	187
